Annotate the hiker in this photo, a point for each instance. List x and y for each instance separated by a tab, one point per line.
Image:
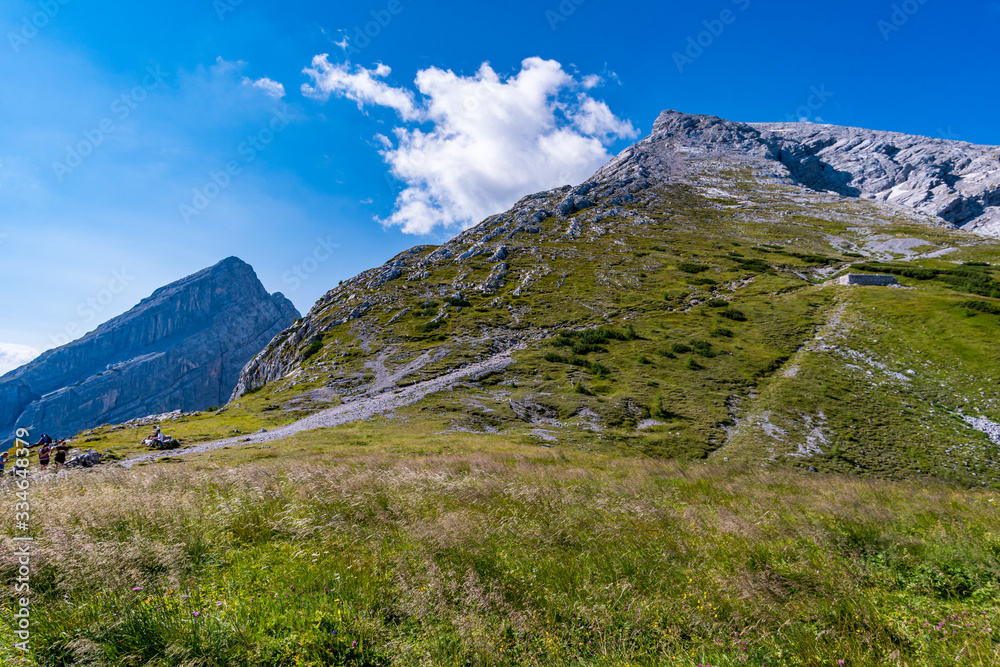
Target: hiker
61	449
155	438
44	440
43	457
3	461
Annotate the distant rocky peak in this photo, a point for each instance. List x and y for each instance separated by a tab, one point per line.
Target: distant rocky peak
182	347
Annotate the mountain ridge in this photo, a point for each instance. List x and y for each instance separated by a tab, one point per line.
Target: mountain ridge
703	252
180	348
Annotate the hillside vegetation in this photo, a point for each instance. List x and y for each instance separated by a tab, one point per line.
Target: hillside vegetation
389	543
697	450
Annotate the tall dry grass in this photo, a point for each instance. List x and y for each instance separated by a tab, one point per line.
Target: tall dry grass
506	557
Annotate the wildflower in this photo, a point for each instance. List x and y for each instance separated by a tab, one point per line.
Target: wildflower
196	613
841	663
218	604
137	589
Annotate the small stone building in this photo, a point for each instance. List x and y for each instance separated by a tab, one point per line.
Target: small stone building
874	279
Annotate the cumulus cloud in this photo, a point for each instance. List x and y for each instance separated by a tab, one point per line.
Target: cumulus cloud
13	356
361	85
270	87
471	146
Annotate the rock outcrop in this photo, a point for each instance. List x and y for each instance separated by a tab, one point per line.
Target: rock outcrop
182	348
955	181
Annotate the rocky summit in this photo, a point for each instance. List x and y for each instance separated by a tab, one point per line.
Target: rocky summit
182	348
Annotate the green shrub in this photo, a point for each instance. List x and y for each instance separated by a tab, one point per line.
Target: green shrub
755	265
680	348
428	327
587	348
717	303
643	359
721	332
691	267
659	412
667	353
457	301
733	314
703	281
703	348
692	365
982	306
599	370
311	349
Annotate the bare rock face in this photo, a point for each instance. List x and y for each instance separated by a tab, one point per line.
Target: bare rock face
955	181
182	348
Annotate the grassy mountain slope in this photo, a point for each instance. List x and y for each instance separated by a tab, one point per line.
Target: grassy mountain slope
718	332
634	489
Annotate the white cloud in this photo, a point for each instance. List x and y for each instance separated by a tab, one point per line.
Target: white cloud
491	139
226	68
12	356
595	118
361	86
269	86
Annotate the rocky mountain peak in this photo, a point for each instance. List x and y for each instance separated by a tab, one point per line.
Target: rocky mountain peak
182	347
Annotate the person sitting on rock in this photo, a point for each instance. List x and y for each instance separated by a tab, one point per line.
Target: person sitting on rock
44	440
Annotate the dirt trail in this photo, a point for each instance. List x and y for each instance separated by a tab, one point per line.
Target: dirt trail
382	398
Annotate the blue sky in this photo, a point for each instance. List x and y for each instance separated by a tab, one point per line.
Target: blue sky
140	142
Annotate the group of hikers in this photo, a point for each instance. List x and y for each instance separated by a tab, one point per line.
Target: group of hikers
50	451
55	452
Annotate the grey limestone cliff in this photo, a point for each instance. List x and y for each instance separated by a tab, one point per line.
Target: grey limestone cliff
955	181
183	347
